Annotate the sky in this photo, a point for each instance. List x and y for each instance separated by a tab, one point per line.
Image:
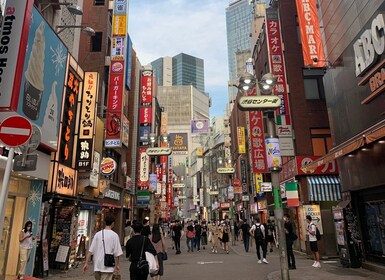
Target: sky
161	28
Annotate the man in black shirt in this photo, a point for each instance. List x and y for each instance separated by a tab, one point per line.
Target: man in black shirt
289	242
177	229
134	249
245	228
146	230
198	233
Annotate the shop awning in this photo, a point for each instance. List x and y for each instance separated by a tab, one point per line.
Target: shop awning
324	188
368	136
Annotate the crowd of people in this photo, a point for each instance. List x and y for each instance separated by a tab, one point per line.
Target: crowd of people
141	239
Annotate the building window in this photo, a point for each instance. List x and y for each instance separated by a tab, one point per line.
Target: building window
321	141
313	84
99	2
96	42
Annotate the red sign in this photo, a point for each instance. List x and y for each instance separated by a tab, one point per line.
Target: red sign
15	131
146	87
324	169
276	60
145	115
257	139
115	88
236	182
225	205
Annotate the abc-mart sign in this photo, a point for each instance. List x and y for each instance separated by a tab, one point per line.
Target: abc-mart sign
367	48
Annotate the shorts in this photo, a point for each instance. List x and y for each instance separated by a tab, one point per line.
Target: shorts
269	238
314	246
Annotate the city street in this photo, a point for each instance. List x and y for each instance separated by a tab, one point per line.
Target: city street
237	265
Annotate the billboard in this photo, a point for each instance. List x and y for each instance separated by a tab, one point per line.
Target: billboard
35	88
179	142
128	62
241	140
117	49
200	126
146	88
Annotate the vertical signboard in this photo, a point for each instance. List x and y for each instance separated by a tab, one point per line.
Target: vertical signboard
128	62
241	140
311	39
144	169
257	140
115	105
87	122
69	118
277	62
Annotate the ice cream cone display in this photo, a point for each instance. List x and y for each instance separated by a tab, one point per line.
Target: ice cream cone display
34	76
50	116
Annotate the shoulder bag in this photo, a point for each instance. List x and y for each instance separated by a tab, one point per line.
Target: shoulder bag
142	265
109	259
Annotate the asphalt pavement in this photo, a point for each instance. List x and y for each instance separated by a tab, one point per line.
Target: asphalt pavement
237	265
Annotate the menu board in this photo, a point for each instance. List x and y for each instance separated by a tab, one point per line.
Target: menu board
62	227
62	254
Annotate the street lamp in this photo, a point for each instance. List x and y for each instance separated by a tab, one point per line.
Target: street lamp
73	9
85	29
266	84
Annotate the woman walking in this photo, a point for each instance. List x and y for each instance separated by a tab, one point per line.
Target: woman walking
157	240
225	237
214	232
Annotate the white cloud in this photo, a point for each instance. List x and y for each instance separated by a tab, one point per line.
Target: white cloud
168	27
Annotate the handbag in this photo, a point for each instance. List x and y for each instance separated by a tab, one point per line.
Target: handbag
142	264
294	237
190	234
109	259
164	256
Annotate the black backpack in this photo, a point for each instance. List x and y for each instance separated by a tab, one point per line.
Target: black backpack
317	233
258	232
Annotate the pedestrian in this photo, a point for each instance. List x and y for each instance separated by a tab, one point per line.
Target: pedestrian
311	230
236	231
198	234
258	231
214	232
245	231
157	240
190	235
25	247
105	241
225	236
146	230
177	231
128	232
270	235
135	251
289	242
204	234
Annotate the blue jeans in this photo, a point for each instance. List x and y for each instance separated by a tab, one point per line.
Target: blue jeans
197	242
246	242
188	242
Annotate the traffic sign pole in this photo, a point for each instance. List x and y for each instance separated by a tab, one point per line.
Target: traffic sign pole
4	188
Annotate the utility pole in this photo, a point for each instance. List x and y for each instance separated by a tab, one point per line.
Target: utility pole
278	211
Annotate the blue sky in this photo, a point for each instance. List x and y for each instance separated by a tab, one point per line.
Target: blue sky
195	27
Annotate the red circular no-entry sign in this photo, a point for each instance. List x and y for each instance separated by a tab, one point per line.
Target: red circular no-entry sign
236	182
15	131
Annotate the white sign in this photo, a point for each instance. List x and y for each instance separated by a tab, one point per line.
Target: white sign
284	130
286	145
245	198
266	187
94	176
112	194
315	212
225	170
178	186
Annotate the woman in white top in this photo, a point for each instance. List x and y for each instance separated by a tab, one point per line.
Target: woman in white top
26	244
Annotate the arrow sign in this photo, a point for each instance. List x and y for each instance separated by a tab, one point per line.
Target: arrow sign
15	131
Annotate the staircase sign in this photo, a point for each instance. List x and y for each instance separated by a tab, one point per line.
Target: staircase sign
15	131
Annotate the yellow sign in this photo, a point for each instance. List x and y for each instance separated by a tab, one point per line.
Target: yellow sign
258	182
119	25
241	140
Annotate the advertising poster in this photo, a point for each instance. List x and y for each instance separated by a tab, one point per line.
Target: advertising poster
41	88
200	126
117	51
273	153
179	142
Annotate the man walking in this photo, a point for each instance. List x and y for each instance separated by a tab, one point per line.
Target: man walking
105	241
245	229
312	229
177	229
198	233
258	231
289	242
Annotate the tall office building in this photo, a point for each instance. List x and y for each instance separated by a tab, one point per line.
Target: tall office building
238	25
180	70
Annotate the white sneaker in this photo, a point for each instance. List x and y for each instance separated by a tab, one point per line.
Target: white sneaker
318	265
259	261
314	264
265	261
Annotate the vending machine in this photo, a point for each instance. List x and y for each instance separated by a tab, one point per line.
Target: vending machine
345	225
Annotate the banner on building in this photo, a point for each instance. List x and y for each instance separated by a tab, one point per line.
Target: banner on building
311	39
179	142
200	126
257	139
292	194
144	169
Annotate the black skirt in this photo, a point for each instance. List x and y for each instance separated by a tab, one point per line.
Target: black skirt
225	237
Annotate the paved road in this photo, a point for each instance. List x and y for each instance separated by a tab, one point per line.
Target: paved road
237	265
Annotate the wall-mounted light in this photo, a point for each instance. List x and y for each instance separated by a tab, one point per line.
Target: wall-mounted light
85	29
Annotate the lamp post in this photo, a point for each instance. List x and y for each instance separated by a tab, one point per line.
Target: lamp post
85	29
265	86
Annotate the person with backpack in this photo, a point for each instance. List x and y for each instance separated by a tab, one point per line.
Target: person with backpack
258	231
313	240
